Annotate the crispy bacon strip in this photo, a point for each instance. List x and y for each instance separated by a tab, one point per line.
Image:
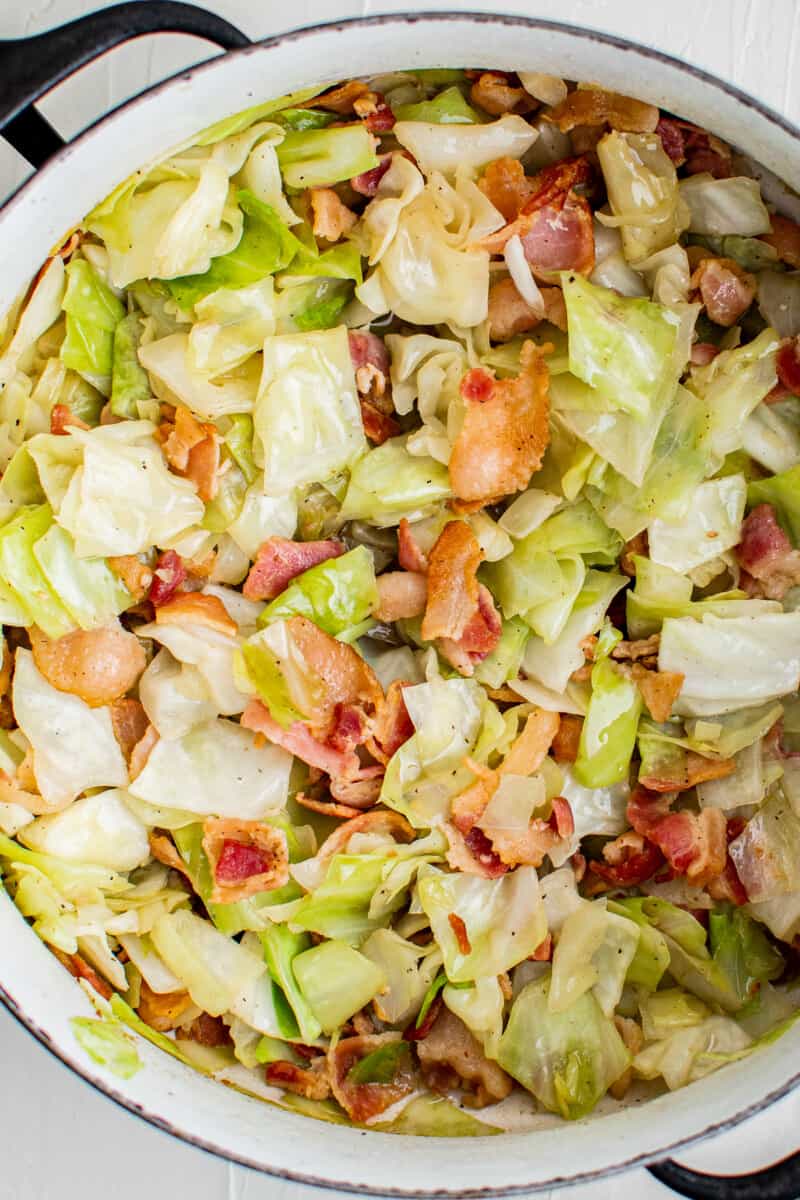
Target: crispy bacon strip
509	314
360	793
493	92
567	738
450	1056
452	594
168	576
191	448
384	822
129	722
141	751
659	690
785	238
694	844
366	184
401	594
767	555
460	932
195	608
698	150
505	431
347	678
788	365
341	99
506	185
80	969
724	288
629	860
280	560
327	808
592	106
246	858
687	774
99	665
361	1101
162	1012
392	726
331	219
134	574
163	849
480	636
409	554
313	1082
299	740
378	425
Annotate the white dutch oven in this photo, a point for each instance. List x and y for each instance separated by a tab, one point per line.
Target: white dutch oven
33	985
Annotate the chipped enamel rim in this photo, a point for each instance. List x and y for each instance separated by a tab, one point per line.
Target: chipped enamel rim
33	985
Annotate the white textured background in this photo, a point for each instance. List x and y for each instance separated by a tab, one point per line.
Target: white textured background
61	1139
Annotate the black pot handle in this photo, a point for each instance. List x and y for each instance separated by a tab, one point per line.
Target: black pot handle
781	1181
31	66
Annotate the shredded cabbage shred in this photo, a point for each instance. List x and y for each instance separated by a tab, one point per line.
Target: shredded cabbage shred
400	603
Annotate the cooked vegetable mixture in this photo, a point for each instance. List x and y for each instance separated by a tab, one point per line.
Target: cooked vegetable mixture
400	577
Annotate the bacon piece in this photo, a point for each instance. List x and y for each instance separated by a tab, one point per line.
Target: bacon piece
688	773
62	418
480	636
671	136
375	113
341	99
450	1056
724	288
509	313
392	726
378	425
299	741
728	886
592	106
417	1033
349	727
409	554
327	808
659	690
401	594
785	239
6	670
370	359
361	1101
506	185
366	184
567	738
788	364
694	844
280	560
703	353
641	648
141	752
191	448
163	849
699	150
630	860
312	1082
136	576
346	677
207	1031
382	822
360	793
162	1012
331	219
632	1036
766	553
246	858
129	722
168	576
493	92
80	969
195	608
99	665
452	582
483	853
504	436
460	932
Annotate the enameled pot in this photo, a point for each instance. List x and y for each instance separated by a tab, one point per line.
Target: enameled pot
33	985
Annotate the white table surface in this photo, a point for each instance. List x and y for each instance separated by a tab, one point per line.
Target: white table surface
61	1139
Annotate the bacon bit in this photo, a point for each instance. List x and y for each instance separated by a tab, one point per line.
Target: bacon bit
567	738
481	635
331	219
191	448
163	849
280	560
506	186
366	184
141	752
162	1012
409	554
195	608
504	435
509	313
349	728
788	364
544	951
728	886
766	553
129	722
630	860
671	136
418	1034
460	930
530	748
62	418
69	247
468	806
299	741
641	648
348	679
696	769
578	864
99	665
370	359
392	726
207	1031
359	793
327	808
482	851
80	969
401	594
632	1036
168	576
452	582
492	92
703	353
450	1056
362	1101
383	822
555	308
341	99
134	574
724	288
6	670
659	690
561	818
378	425
693	844
375	113
311	1082
637	546
246	858
785	239
592	106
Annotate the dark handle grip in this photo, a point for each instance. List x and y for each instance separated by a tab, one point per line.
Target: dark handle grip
31	66
781	1181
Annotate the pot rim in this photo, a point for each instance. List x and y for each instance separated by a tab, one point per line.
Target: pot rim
18	196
